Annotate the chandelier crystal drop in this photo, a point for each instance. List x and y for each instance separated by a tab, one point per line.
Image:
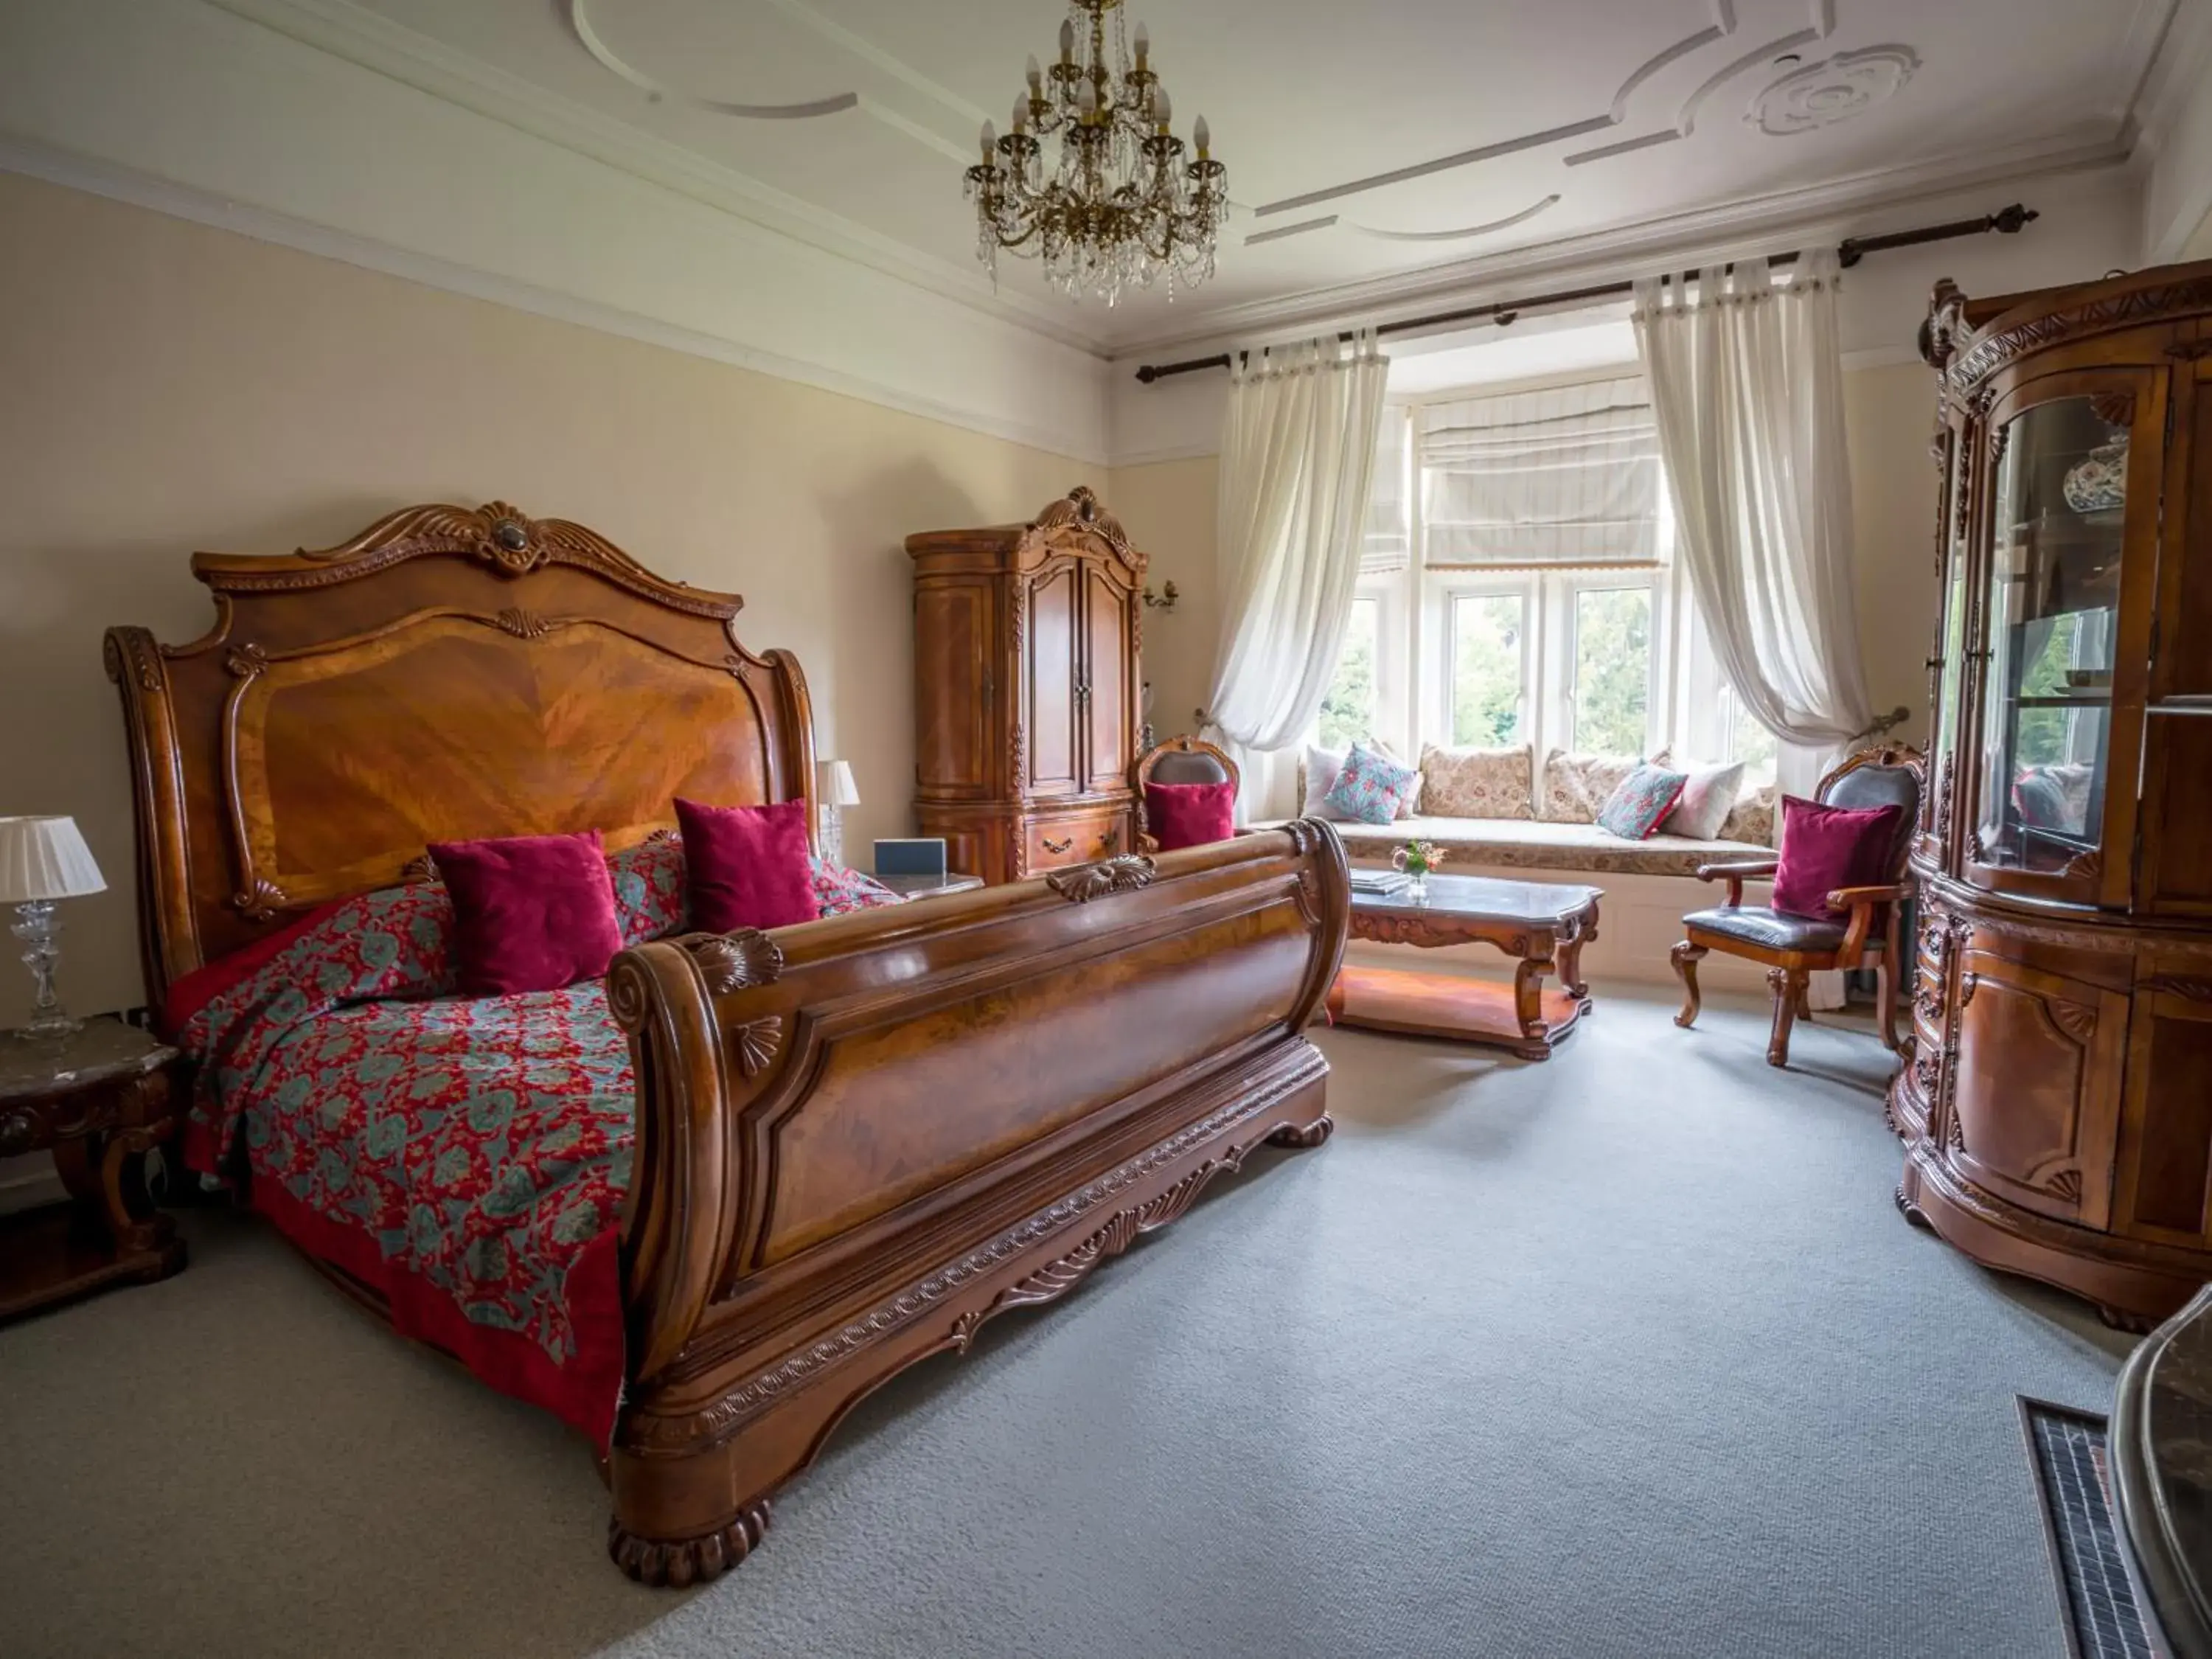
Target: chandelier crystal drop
1118	206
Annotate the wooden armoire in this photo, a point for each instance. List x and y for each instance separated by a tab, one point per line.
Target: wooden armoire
2057	1103
1027	689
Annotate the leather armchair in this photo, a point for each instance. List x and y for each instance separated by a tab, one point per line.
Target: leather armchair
1864	924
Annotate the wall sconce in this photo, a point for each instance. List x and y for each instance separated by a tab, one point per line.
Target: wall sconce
1163	600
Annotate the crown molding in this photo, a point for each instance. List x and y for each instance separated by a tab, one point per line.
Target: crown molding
375	43
1716	231
2157	59
204	207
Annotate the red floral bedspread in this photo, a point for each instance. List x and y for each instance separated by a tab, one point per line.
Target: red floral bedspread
466	1156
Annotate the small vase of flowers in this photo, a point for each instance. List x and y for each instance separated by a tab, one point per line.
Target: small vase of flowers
1417	859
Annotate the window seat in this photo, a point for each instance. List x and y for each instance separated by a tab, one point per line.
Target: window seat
1531	844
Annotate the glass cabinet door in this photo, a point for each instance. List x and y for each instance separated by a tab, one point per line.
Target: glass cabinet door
2052	612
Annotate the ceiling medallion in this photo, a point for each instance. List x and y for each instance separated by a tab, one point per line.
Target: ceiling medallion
1118	207
1832	90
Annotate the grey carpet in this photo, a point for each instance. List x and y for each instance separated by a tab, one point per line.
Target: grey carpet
1625	1354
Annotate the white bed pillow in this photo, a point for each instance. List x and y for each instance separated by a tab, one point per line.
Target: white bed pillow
1707	799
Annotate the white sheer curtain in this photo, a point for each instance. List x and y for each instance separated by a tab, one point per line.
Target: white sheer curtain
1747	387
1297	461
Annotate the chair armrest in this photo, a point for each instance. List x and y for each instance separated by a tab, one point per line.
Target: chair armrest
1737	874
1844	897
1863	902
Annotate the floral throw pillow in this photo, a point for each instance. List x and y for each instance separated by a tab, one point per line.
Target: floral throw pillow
1646	795
1317	773
1478	783
1752	818
1371	788
1576	786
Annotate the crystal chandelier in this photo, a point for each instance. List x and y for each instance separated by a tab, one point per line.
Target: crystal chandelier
1119	207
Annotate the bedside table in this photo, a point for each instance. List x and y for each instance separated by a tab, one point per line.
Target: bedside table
100	1098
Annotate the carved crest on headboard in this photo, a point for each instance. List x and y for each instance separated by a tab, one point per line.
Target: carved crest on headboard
501	536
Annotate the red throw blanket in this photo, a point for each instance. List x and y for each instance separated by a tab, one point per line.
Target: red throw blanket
465	1157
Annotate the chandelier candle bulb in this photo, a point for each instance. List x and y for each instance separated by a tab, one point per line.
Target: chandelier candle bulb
1162	108
1144	44
990	142
1036	78
1066	41
1201	136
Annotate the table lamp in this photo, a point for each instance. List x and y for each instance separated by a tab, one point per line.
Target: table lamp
42	859
838	791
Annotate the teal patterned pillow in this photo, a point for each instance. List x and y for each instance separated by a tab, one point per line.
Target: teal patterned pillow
1646	796
1371	787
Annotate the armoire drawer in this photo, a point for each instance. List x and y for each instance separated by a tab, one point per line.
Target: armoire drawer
1056	843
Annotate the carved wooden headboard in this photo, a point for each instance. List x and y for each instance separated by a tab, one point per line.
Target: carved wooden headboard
447	673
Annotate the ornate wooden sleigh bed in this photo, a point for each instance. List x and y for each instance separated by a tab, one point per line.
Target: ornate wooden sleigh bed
855	1139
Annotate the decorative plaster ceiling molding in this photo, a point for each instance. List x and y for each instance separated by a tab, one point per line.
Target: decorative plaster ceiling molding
1686	238
1506	223
1686	122
362	37
203	207
579	20
927	137
1835	89
1823	14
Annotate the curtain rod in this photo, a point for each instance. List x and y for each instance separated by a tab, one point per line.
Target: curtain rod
2006	221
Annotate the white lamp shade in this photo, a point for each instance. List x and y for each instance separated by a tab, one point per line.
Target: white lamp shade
838	789
45	859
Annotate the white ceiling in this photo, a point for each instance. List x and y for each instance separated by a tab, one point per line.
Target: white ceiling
856	117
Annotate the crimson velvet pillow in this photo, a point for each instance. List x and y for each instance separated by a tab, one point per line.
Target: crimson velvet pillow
1190	814
530	913
746	867
1826	848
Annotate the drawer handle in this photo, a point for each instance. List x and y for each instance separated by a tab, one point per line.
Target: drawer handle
1110	840
1052	846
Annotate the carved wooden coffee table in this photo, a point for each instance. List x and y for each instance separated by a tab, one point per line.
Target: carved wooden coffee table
1544	925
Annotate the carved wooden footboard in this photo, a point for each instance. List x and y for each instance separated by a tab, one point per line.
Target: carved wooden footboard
859	1138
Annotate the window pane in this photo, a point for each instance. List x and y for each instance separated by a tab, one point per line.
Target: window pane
1612	669
1487	630
1347	712
1748	741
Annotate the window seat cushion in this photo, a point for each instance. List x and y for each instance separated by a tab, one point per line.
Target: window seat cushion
1537	844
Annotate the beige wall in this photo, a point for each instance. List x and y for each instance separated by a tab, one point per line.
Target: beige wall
1168	509
171	387
1889	418
1889	414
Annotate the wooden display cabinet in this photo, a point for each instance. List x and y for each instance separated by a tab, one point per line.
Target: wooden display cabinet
2057	1105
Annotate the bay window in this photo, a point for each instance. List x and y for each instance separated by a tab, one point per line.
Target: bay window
1518	585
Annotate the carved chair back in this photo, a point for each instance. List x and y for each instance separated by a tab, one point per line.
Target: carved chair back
1889	775
1179	760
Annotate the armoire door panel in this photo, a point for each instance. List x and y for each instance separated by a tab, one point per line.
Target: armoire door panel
2034	1095
1109	745
954	645
1048	670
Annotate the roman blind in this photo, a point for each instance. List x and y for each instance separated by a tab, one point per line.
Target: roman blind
1562	476
1387	545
